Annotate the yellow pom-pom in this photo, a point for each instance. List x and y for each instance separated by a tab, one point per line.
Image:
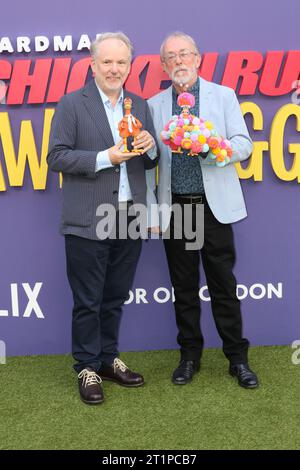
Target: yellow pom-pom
202	139
208	125
223	153
216	151
186	143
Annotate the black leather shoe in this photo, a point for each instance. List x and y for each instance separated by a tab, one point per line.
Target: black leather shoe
185	371
90	387
119	373
246	377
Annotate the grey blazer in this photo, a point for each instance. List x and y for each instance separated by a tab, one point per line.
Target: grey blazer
223	191
80	130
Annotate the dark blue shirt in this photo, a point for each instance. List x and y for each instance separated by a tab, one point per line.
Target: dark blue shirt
186	170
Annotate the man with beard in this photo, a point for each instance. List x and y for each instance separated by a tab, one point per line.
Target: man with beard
187	180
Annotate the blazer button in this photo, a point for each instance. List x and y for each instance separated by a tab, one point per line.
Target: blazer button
117	170
115	192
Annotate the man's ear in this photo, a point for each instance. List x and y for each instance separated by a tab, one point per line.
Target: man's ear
93	65
164	67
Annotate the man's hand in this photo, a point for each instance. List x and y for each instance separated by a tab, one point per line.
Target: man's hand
154	230
144	142
117	156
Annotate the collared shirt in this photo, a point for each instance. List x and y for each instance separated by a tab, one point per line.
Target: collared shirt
114	116
186	170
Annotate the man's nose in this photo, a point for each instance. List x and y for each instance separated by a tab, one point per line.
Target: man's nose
178	59
114	67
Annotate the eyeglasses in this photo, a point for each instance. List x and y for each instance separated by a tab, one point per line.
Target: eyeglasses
183	56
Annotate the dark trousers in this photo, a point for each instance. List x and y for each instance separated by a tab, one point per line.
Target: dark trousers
218	258
100	274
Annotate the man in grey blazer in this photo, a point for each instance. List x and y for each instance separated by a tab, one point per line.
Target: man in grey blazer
191	180
86	147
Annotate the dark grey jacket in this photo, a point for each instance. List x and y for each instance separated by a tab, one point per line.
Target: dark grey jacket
80	130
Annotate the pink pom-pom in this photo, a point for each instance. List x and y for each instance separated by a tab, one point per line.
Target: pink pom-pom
186	99
177	139
196	147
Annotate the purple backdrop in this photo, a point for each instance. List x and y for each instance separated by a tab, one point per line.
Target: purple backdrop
31	249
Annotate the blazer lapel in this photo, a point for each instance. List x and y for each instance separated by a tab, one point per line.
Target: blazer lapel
204	98
95	108
166	110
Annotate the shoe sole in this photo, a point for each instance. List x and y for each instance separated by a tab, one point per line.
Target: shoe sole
122	385
248	386
188	381
182	383
92	402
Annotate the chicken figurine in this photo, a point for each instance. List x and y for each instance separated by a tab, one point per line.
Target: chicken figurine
189	132
129	126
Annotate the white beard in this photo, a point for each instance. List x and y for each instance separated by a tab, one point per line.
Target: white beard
182	81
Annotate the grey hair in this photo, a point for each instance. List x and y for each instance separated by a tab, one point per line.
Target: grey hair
117	35
178	34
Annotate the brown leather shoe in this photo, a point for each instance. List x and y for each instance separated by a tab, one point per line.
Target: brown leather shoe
120	374
90	387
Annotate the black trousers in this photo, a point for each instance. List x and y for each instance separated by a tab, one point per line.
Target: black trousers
100	274
218	258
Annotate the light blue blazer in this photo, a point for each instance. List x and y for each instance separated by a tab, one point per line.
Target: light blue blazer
223	191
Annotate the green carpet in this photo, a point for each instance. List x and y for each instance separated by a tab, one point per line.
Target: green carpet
40	406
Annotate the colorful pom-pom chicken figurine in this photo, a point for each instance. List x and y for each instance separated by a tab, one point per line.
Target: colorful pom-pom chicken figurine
129	126
194	134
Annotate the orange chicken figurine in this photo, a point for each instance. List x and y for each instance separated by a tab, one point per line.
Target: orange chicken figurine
129	126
